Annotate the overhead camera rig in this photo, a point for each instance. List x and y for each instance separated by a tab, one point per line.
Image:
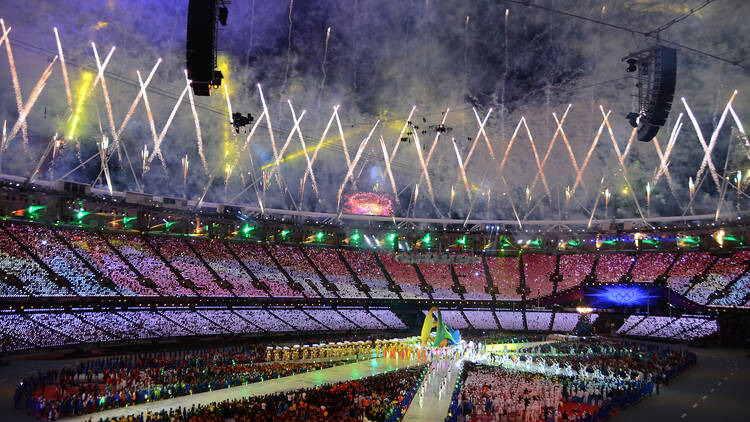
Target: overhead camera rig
656	74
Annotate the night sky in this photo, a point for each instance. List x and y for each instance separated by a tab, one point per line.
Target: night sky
381	59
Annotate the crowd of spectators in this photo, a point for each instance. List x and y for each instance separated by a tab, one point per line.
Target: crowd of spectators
219	258
737	295
505	276
538	320
34	279
147	263
330	264
362	318
648	266
537	269
687	266
404	275
96	252
59	258
265	270
297	266
101	384
473	278
381	397
574	268
724	271
612	266
179	255
674	328
440	278
565	322
510	320
481	320
363	263
55	327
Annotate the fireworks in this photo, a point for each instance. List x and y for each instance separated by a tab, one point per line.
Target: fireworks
26	108
64	68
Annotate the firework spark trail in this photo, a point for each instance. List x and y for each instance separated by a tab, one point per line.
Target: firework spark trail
229	103
323	64
476	138
596	203
416	195
350	171
185	165
712	142
288	140
16	84
510	144
401	134
426	174
157	142
311	161
462	171
621	158
102	154
536	158
307	157
26	108
388	168
567	145
268	123
579	172
288	48
149	115
246	146
551	144
341	136
105	94
664	158
5	34
450	205
141	93
434	143
64	68
198	127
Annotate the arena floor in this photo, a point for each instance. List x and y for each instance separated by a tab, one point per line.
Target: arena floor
715	389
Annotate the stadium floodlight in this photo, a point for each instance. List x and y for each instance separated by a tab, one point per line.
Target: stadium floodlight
246	229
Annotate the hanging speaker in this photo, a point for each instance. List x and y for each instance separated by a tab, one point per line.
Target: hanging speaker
201	44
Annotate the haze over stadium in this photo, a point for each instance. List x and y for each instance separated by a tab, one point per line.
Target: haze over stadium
554	187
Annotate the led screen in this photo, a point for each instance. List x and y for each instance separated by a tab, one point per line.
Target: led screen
630	295
368	203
